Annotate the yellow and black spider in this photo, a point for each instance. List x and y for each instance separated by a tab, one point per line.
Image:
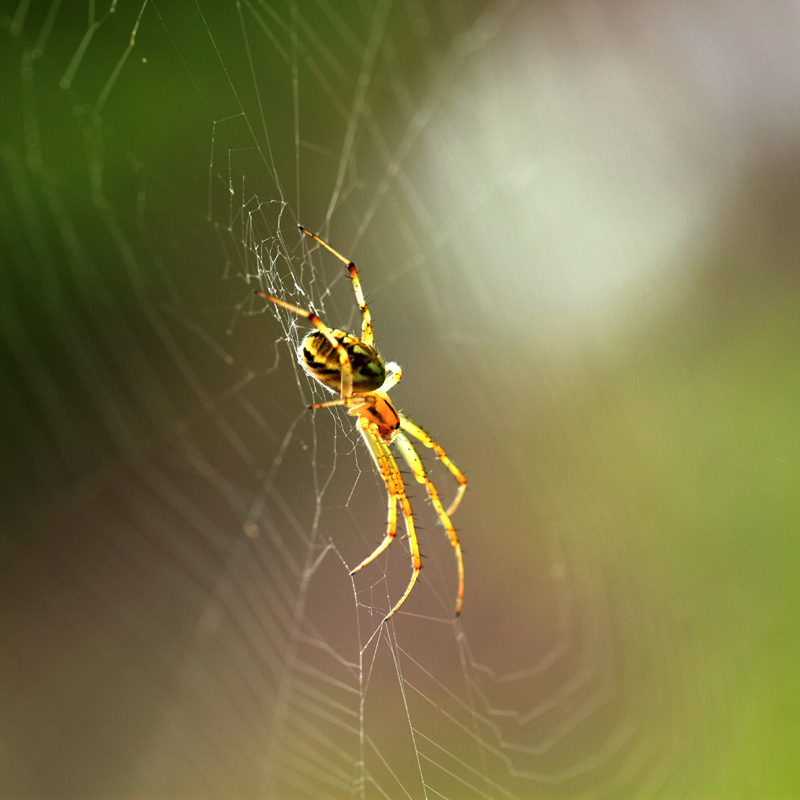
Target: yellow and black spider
353	369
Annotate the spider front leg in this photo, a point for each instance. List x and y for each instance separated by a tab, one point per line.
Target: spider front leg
397	494
413	459
418	433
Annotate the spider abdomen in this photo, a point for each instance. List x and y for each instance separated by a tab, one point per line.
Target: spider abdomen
321	360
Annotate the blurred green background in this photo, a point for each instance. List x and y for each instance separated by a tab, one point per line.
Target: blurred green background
576	224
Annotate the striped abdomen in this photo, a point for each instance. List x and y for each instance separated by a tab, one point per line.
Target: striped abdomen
321	360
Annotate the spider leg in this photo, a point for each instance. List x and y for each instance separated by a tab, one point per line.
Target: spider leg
344	359
342	401
366	327
413	459
355	402
393	375
418	433
397	494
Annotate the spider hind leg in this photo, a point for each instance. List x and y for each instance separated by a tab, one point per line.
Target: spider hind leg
345	367
367	334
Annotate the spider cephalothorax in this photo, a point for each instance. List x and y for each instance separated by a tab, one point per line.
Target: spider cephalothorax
354	369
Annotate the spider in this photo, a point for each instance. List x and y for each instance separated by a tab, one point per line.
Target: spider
353	369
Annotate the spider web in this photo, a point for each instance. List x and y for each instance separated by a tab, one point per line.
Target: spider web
180	618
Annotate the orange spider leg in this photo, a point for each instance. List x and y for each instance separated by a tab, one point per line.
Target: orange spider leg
397	494
413	459
418	433
344	358
366	328
355	403
342	401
